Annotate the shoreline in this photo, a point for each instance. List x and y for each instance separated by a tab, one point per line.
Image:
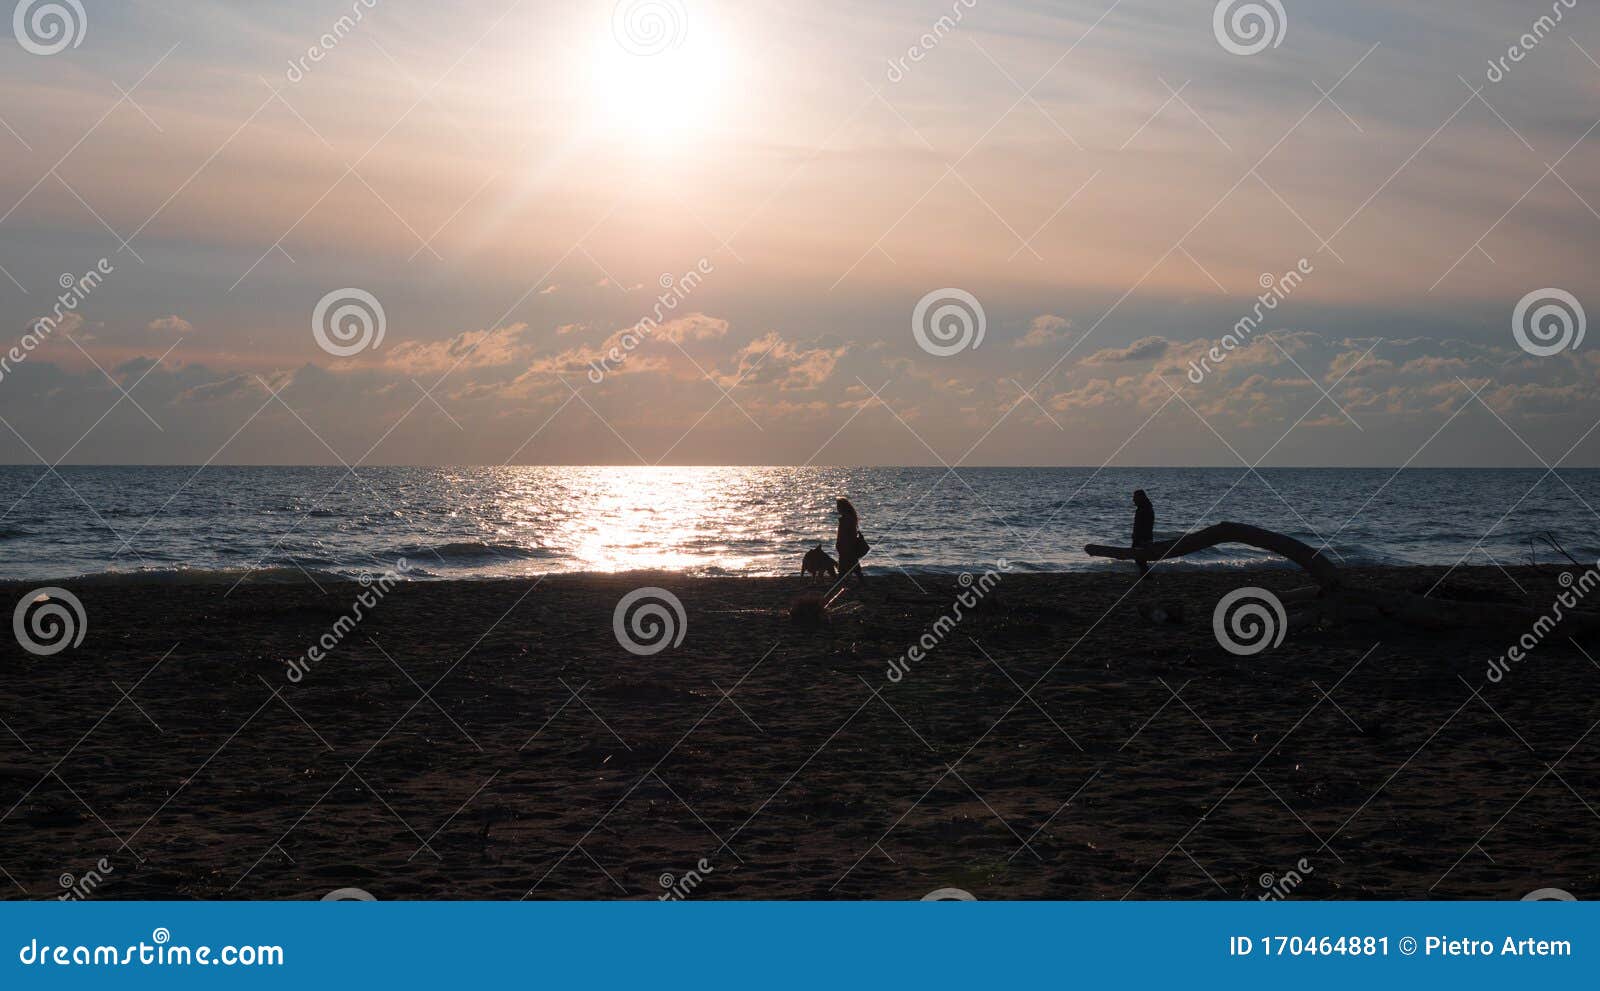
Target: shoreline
288	576
494	739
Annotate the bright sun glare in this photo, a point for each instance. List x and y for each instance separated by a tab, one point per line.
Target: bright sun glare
663	98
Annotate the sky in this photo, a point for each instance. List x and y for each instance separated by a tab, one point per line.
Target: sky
958	232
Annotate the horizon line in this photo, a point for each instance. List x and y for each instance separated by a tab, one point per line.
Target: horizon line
848	467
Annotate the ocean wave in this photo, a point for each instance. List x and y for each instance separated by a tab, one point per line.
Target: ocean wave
472	550
212	576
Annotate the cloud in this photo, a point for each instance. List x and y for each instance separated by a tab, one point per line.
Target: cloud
499	347
71	324
173	324
220	390
1044	330
1368	378
770	360
1144	349
694	327
511	381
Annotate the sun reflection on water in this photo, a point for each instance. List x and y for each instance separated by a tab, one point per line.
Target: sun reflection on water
638	519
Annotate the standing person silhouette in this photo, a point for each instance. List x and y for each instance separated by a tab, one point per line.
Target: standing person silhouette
1144	525
852	547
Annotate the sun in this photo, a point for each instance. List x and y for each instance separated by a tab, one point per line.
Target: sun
661	87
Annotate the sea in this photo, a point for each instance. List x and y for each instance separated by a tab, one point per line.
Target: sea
278	524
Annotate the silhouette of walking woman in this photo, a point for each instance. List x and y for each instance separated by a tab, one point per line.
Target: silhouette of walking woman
852	547
1144	525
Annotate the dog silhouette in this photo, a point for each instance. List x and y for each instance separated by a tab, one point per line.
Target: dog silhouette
818	563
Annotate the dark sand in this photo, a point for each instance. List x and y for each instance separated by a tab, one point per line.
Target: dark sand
811	786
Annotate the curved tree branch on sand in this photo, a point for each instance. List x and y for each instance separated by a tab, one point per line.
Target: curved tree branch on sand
1313	561
1333	600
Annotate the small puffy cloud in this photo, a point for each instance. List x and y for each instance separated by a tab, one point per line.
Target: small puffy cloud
1539	400
625	347
791	366
172	324
1044	330
70	324
1144	349
220	390
694	327
471	349
549	290
1427	366
1092	395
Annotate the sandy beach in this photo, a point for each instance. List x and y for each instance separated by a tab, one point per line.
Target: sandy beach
761	760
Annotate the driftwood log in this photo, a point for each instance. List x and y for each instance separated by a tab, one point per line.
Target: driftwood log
1315	562
1333	600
